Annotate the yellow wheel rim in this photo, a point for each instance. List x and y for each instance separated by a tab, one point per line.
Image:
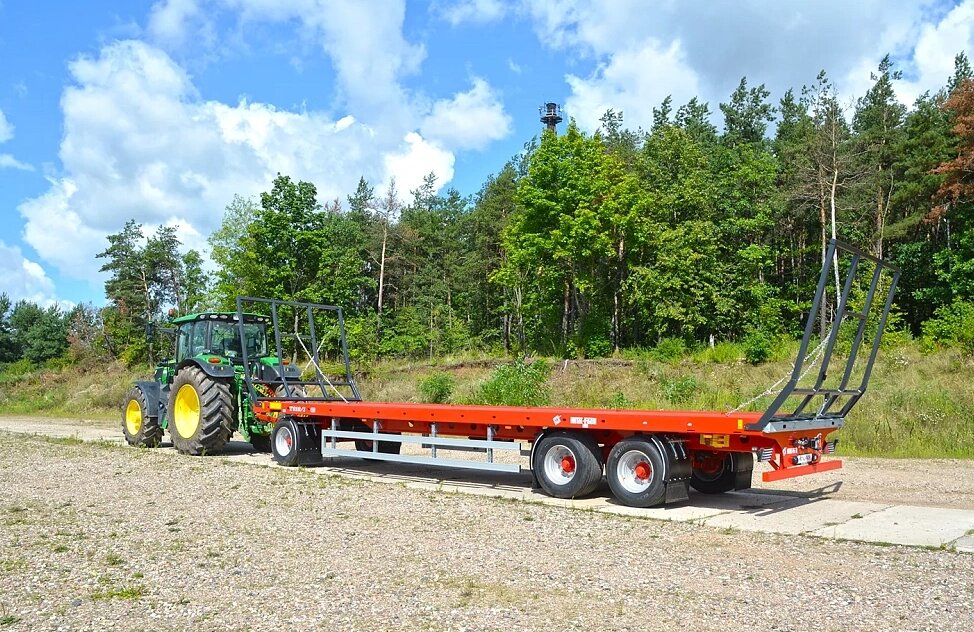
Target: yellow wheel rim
186	413
133	417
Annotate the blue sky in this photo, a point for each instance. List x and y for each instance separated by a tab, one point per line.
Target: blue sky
162	110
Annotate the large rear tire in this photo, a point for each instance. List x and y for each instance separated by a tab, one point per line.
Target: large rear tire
201	412
567	464
138	427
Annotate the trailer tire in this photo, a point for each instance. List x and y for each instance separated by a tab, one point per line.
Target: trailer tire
635	471
138	427
202	412
712	474
262	443
567	464
385	447
294	443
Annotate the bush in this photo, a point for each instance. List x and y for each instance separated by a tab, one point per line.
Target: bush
721	353
517	384
952	326
758	347
437	388
669	349
679	390
620	401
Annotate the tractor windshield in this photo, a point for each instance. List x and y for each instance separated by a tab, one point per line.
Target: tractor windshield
225	341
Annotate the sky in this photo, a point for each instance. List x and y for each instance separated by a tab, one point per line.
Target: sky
162	111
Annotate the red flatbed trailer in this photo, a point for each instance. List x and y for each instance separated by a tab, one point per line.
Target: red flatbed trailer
648	456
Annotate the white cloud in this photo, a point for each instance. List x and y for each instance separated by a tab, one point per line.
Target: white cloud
6	129
9	162
473	11
782	45
469	120
936	46
140	143
364	41
417	159
168	20
619	84
23	278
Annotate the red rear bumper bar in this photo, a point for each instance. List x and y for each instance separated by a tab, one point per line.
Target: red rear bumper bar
800	470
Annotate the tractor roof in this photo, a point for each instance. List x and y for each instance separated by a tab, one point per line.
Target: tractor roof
221	316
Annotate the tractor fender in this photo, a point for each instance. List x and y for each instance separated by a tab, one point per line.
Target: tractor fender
213	370
153	398
272	372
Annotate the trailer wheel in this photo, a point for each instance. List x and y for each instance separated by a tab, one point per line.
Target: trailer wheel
138	427
262	443
567	464
294	443
385	447
712	473
635	473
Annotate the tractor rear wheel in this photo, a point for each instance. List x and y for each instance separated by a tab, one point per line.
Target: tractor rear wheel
137	426
201	412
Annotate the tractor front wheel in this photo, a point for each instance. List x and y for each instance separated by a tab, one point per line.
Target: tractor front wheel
201	412
137	426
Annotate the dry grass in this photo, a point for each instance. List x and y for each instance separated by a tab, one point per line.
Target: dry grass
918	405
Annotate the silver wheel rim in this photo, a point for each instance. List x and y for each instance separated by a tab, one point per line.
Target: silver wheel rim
284	441
634	471
554	465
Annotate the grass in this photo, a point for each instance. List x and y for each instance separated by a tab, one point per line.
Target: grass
918	405
131	592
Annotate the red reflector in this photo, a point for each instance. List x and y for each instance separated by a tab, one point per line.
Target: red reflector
286	362
214	360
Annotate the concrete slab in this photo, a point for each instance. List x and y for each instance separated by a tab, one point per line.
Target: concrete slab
965	544
795	516
915	526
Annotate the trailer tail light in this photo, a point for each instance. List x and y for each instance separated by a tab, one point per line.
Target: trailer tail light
830	446
763	454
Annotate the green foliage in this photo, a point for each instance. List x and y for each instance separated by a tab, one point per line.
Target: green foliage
517	384
720	353
620	402
758	347
437	388
669	350
678	390
952	325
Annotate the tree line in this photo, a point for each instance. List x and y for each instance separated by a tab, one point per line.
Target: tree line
588	244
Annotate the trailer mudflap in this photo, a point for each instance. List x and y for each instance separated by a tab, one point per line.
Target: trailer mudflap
743	464
678	470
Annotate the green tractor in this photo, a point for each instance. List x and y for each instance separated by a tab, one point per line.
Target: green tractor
201	395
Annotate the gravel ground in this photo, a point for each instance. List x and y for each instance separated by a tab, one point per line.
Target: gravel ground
923	482
105	537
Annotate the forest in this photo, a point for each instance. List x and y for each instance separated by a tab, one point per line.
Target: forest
586	245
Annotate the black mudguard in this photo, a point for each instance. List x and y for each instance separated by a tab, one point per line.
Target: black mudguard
153	398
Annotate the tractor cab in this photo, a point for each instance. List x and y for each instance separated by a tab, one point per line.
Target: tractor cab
216	337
